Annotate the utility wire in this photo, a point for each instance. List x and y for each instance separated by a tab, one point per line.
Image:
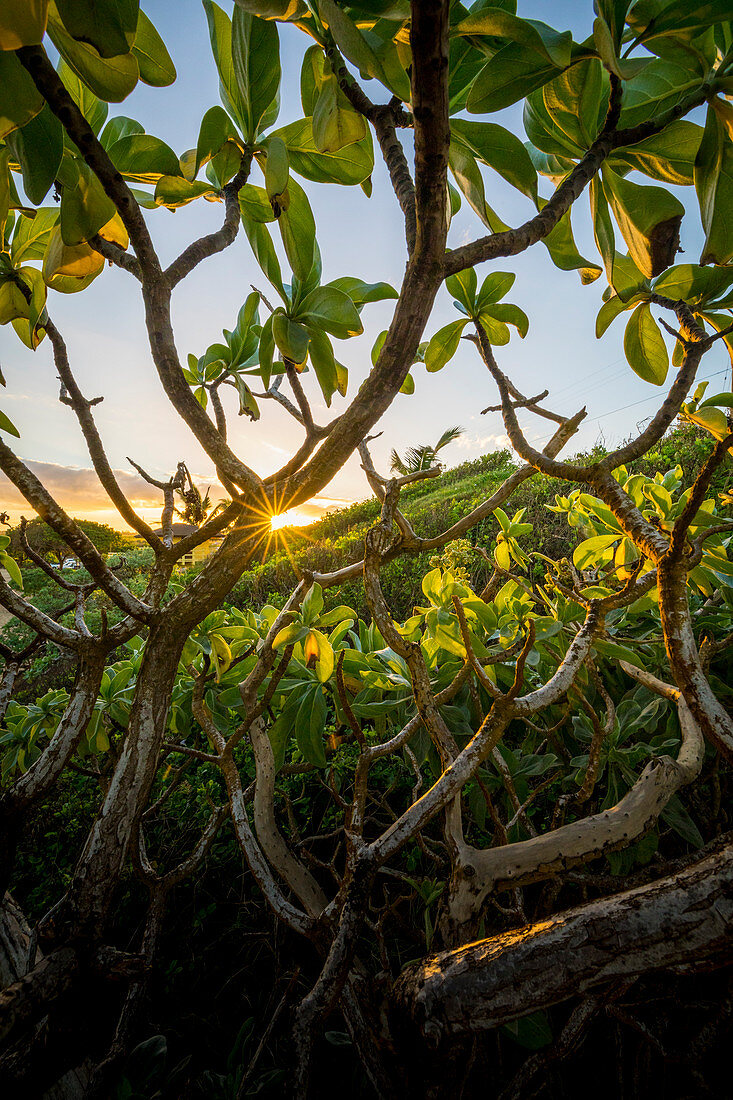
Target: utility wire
632	405
652	397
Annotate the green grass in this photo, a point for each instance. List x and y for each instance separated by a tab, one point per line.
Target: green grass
433	506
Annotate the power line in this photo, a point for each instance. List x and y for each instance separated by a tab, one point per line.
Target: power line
633	404
652	397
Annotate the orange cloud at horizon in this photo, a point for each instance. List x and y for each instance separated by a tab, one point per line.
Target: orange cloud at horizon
79	492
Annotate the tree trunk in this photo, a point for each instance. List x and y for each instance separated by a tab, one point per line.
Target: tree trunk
15	938
679	920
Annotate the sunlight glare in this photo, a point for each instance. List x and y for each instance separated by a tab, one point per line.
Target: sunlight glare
291	518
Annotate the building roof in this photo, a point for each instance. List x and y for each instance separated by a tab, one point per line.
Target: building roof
180	530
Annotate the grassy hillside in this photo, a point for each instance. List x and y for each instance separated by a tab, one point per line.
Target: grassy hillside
431	507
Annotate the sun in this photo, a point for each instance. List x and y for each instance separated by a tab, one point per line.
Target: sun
291	518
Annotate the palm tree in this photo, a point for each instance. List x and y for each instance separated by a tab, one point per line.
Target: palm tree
423	457
195	509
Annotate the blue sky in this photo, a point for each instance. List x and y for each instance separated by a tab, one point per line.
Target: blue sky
104	326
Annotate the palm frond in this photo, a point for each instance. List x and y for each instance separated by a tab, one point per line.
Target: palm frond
397	464
448	436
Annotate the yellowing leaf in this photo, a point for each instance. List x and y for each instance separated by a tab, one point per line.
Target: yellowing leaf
22	23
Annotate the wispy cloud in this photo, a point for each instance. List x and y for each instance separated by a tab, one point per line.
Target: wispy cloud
78	491
491	442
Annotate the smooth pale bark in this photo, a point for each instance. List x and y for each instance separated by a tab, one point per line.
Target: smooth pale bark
105	852
678	920
290	869
684	658
479	872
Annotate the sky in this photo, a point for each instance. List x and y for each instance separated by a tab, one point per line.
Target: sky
104	326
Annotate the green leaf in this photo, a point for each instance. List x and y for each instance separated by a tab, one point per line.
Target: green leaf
256	59
608	313
553	46
510	75
281	731
22	23
649	219
38	147
174	192
220	35
500	150
12	301
117	128
154	61
290	634
676	816
668	156
144	158
267	352
5	196
463	287
333	311
560	243
215	130
644	347
290	337
311	78
613	13
678	15
310	725
362	293
255	205
661	86
8	563
85	207
497	331
7	425
443	345
264	250
224	165
80	263
544	132
108	25
94	109
468	176
337	615
33	279
693	283
494	287
511	315
335	123
603	231
351	165
616	652
298	231
31	235
358	49
608	51
712	420
714	186
20	100
324	363
626	279
284	10
277	167
110	78
593	551
532	1032
312	604
247	403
